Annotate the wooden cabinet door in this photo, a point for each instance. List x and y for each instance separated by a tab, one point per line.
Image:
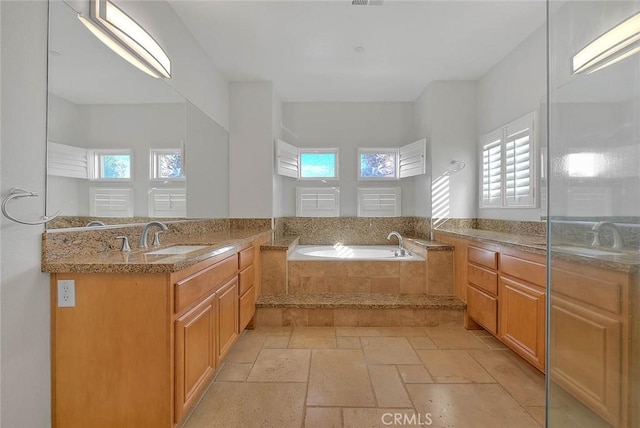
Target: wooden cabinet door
586	356
522	319
227	303
195	353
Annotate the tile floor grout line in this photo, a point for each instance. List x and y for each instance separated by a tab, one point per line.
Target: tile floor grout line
520	405
306	390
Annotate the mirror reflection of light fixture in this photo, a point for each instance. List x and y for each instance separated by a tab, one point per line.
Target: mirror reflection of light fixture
127	38
618	43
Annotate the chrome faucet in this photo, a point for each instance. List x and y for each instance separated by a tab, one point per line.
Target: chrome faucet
617	237
401	250
145	233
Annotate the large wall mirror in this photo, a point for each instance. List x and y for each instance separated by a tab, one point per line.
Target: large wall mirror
122	145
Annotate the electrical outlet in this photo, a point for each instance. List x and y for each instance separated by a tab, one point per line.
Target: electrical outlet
66	293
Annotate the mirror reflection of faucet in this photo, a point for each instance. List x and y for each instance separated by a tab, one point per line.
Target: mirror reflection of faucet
618	242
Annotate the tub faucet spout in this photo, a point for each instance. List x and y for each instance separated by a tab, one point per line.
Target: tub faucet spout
401	251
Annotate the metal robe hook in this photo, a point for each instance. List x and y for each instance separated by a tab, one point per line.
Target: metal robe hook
17	193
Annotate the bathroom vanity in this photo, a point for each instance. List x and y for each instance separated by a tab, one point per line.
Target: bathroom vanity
145	336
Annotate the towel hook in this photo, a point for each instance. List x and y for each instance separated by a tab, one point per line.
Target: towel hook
16	193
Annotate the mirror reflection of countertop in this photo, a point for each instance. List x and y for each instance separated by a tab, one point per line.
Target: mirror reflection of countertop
604	257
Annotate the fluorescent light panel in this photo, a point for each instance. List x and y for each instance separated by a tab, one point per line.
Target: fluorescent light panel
127	38
616	44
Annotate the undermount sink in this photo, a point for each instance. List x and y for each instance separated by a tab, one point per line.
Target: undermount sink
585	251
177	249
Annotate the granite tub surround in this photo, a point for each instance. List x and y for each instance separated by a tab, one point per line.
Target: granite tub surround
349	230
97	249
275	254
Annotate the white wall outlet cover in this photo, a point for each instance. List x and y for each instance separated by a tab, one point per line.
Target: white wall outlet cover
66	293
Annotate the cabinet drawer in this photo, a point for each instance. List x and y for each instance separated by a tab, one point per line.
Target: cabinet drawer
483	278
597	287
483	309
246	278
246	257
527	270
191	289
247	307
486	258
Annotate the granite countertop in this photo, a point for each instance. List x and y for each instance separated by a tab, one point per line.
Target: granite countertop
139	261
355	301
281	243
619	260
530	243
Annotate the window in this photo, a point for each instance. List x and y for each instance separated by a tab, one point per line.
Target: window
377	164
308	164
508	170
393	163
166	164
318	164
111	165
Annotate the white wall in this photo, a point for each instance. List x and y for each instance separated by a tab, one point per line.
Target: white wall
193	73
250	149
278	181
207	166
445	113
512	88
24	290
348	126
138	127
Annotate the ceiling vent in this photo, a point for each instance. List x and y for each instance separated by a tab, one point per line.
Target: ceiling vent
367	2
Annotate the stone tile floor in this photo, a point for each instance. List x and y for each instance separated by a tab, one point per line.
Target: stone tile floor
371	377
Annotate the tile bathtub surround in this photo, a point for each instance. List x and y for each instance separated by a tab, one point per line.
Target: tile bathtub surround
357	276
351	377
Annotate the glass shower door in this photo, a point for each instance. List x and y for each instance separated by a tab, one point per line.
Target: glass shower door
594	214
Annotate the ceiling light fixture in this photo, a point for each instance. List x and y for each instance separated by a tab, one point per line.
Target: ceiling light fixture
127	38
359	49
618	43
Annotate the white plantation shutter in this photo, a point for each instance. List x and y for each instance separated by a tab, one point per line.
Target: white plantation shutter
105	202
412	159
66	161
491	145
379	202
287	159
317	202
168	203
508	165
519	162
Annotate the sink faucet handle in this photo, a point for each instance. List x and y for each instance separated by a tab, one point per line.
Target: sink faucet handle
156	238
125	244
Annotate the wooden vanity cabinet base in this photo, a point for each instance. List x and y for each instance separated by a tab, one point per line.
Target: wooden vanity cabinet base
138	349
